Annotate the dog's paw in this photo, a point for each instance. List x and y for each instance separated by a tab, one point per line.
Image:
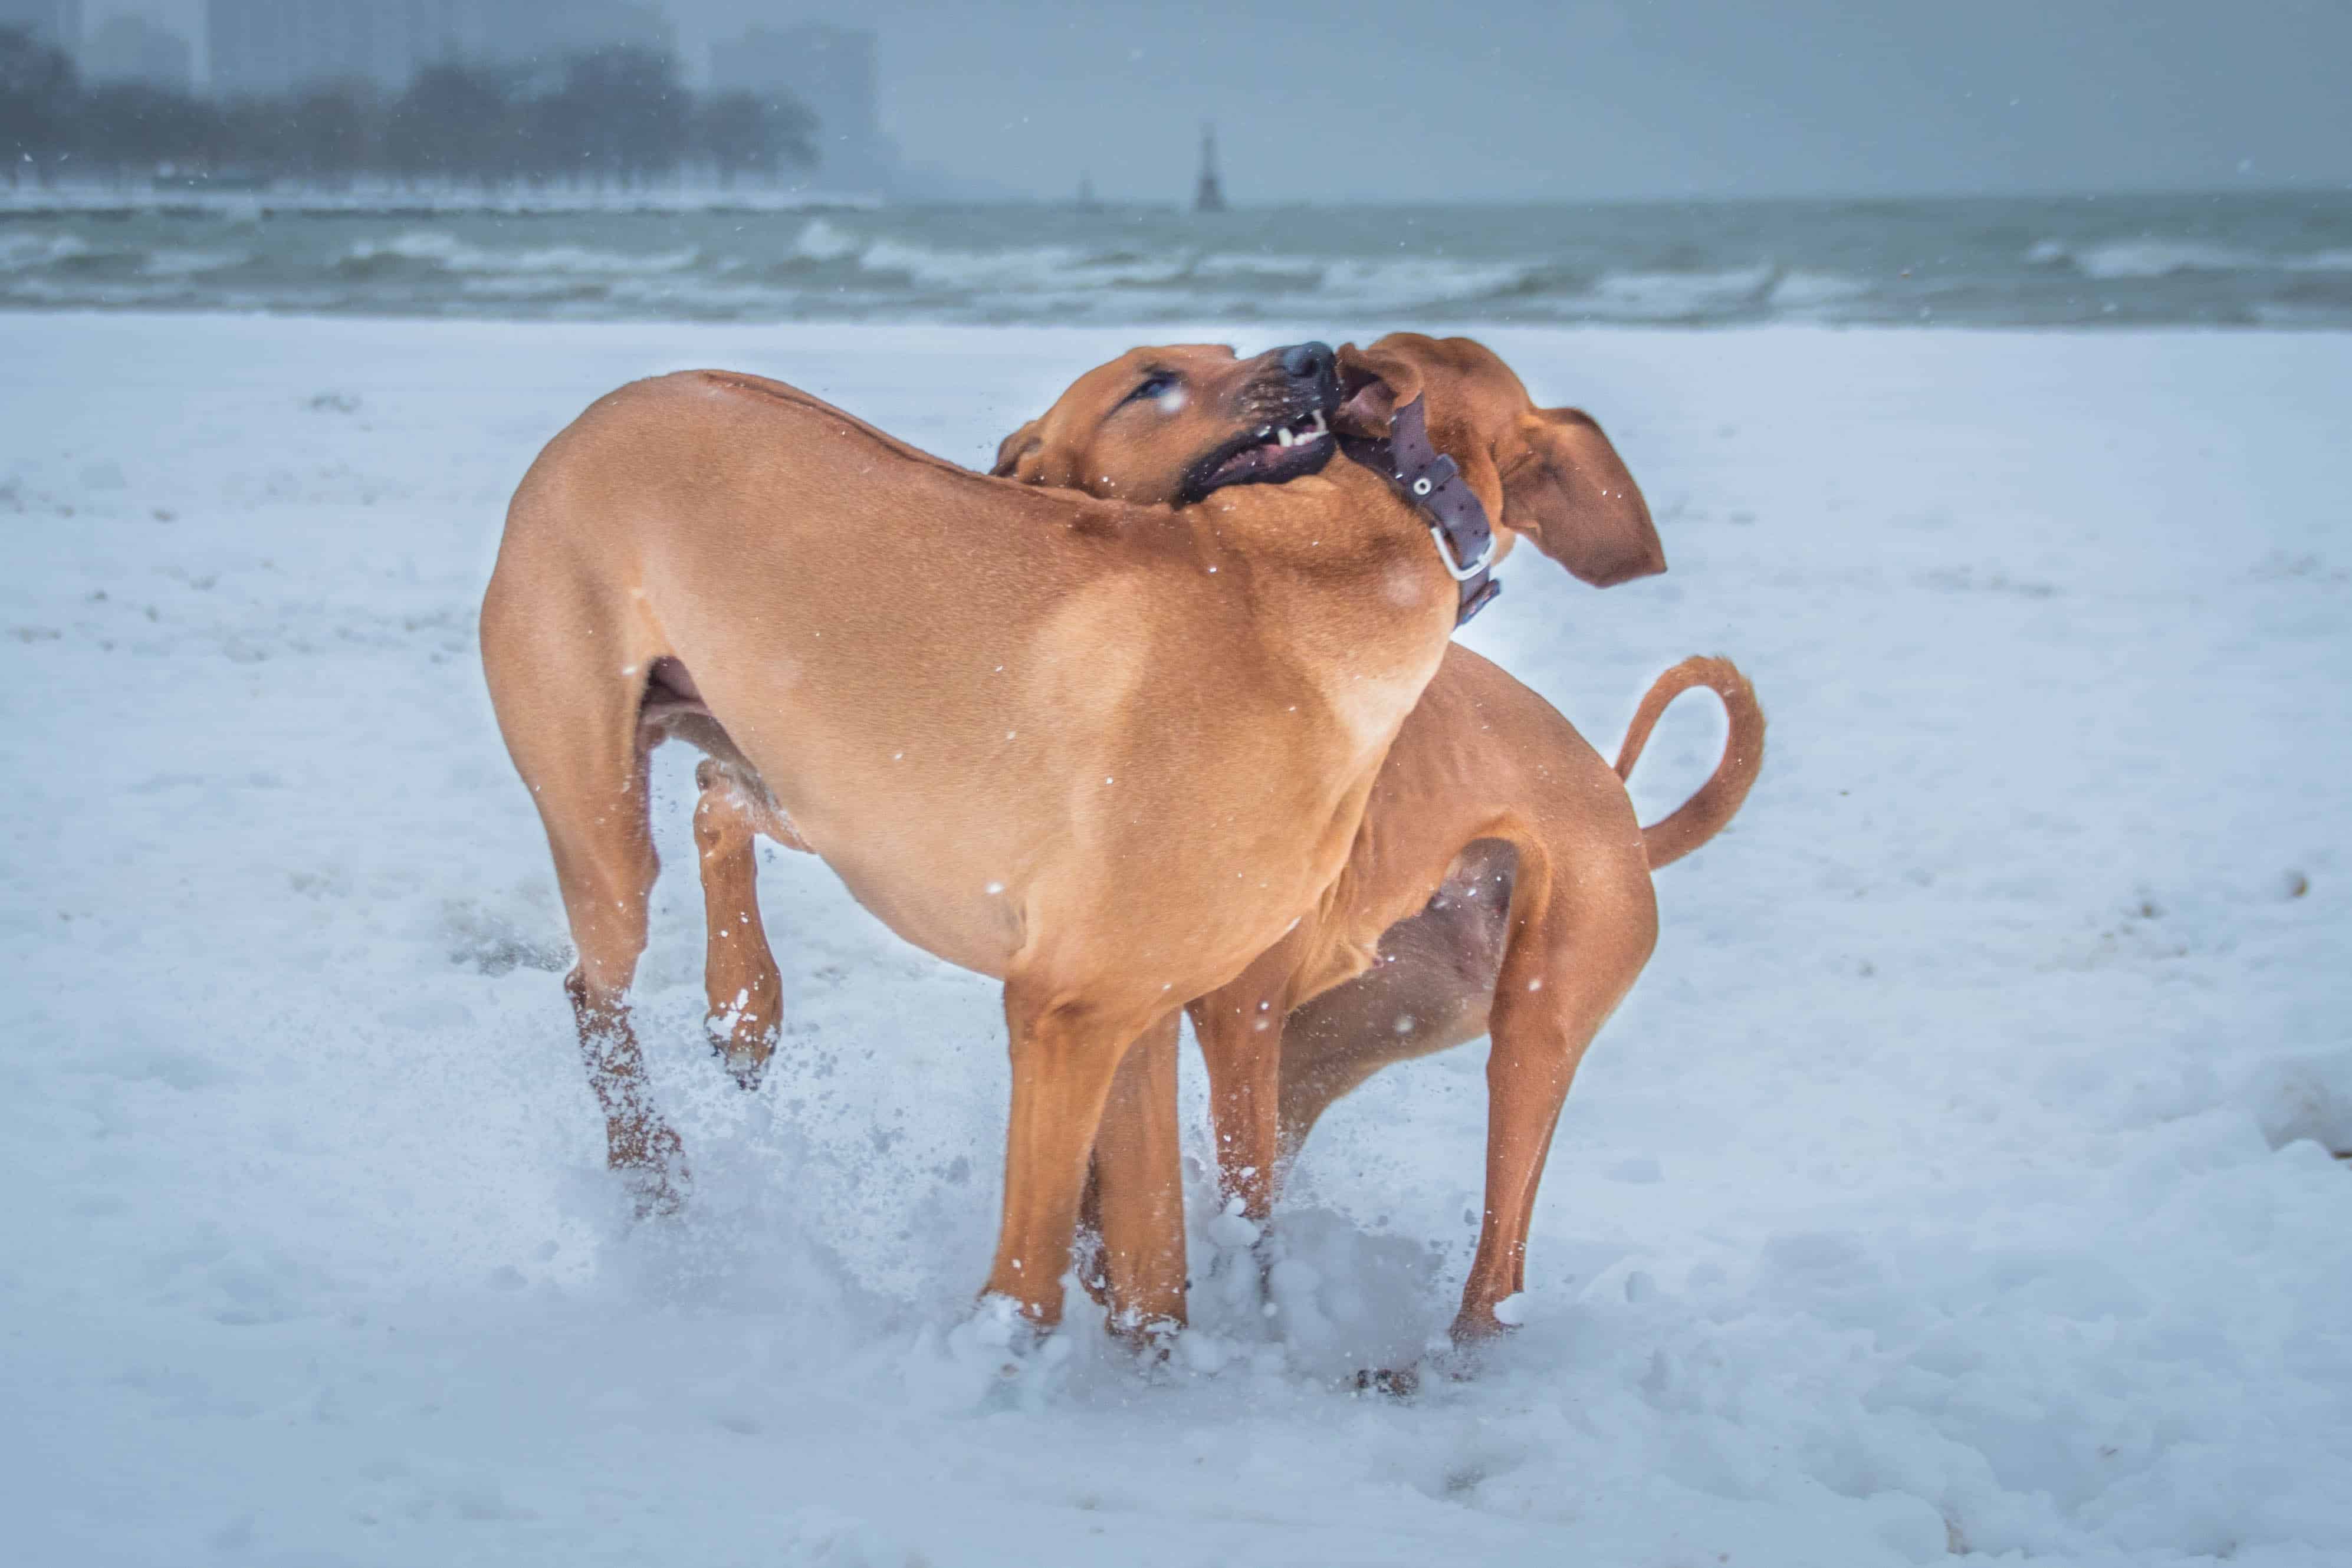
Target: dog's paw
1388	1382
995	1358
1442	1361
997	1327
1152	1342
654	1174
655	1194
1242	1255
1233	1231
743	1044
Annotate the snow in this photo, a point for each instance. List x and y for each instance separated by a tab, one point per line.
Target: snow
1954	1180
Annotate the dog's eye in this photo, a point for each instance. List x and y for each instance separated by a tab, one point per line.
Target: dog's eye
1158	384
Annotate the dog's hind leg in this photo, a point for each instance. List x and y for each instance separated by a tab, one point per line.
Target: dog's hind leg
738	970
567	705
1573	954
1239	1028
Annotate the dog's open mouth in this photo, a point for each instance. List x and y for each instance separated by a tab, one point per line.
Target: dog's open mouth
1266	455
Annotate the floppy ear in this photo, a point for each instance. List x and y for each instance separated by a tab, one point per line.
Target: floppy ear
1019	455
1570	492
1373	383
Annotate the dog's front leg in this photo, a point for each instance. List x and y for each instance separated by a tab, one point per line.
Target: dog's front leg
1066	1051
1138	1190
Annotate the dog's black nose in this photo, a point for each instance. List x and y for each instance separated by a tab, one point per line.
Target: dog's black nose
1309	361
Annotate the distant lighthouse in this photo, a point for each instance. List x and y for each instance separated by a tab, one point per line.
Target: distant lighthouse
1208	196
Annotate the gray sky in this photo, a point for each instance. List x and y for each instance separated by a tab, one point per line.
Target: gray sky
1515	98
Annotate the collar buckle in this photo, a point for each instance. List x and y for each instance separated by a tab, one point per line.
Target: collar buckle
1454	567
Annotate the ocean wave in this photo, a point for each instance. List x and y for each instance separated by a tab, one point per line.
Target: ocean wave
1799	290
1039	267
30	252
1404	281
451	253
1212	275
1684	296
542	287
821	241
2123	262
171	263
2118	260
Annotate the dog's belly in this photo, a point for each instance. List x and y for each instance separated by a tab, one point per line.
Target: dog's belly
1433	984
1031	800
951	880
977	930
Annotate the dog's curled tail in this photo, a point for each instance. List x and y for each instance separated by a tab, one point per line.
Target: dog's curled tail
1702	816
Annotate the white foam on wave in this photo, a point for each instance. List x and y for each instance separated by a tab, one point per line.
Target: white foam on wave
2115	260
28	252
1217	265
1041	266
821	241
1017	270
1220	279
1797	290
174	263
1415	280
1671	295
2162	258
452	253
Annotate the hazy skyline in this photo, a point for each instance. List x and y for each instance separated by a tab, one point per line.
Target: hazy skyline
1610	99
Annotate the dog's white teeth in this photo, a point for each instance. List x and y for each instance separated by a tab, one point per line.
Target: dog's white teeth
1283	436
1321	427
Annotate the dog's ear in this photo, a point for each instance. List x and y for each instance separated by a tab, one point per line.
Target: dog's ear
1020	456
1567	489
1560	481
1373	383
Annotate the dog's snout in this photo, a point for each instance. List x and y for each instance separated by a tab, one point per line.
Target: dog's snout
1309	361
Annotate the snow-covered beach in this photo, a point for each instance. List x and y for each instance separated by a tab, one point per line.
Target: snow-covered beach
1953	1182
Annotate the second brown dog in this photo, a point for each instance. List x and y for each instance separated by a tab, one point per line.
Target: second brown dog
1500	883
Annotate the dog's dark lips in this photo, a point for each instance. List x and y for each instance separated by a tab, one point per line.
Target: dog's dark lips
1288	448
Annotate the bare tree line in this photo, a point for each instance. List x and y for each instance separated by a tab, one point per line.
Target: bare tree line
618	117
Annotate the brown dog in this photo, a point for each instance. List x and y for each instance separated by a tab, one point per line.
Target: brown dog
1108	752
1499	876
1432	881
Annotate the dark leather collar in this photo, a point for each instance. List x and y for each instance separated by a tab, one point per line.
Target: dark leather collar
1433	482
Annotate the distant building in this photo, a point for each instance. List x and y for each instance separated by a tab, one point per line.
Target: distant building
830	70
57	22
525	35
274	46
127	48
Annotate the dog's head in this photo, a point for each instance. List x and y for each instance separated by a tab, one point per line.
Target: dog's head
1172	424
1547	473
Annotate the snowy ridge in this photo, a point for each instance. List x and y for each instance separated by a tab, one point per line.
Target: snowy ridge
1953	1182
